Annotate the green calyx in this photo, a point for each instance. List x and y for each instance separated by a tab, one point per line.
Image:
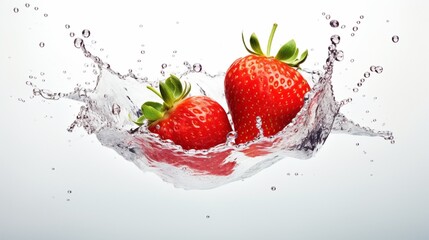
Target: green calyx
171	91
288	53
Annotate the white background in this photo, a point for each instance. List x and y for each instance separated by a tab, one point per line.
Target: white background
338	194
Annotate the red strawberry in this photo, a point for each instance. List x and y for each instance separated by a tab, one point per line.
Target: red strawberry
265	86
194	123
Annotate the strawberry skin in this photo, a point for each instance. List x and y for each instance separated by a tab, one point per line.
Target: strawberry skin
196	122
260	85
265	87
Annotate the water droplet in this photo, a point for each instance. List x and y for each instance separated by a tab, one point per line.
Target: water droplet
41	44
361	17
157	127
352	60
395	39
16	10
328	17
141	25
142	51
67	26
86	33
323	13
69	191
339	56
197	67
68	199
359	84
45	15
355	28
362	80
355	90
296	174
207	216
372	68
36	8
334	23
53	169
27	5
78	42
335	39
357	22
273	188
379	69
357	144
116	109
71	34
366	74
164	65
343	26
352	34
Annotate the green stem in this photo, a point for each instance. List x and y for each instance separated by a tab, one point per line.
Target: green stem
270	40
155	91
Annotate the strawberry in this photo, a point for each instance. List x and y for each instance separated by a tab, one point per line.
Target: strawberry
259	85
196	122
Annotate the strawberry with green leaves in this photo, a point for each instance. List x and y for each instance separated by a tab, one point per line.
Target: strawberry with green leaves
260	85
195	122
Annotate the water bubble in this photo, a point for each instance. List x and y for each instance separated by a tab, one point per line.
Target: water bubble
78	42
339	56
67	26
334	23
355	28
16	10
164	65
335	39
72	34
379	69
27	5
366	74
197	67
116	109
273	188
41	44
395	38
86	33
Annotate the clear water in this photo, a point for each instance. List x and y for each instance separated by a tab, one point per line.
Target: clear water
107	109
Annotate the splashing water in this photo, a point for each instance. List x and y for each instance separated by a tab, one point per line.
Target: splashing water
107	107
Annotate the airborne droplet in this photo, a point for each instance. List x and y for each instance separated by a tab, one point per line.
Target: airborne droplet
86	33
41	44
16	10
197	67
334	23
78	42
395	39
335	39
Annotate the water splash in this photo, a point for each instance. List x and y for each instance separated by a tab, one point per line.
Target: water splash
117	97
